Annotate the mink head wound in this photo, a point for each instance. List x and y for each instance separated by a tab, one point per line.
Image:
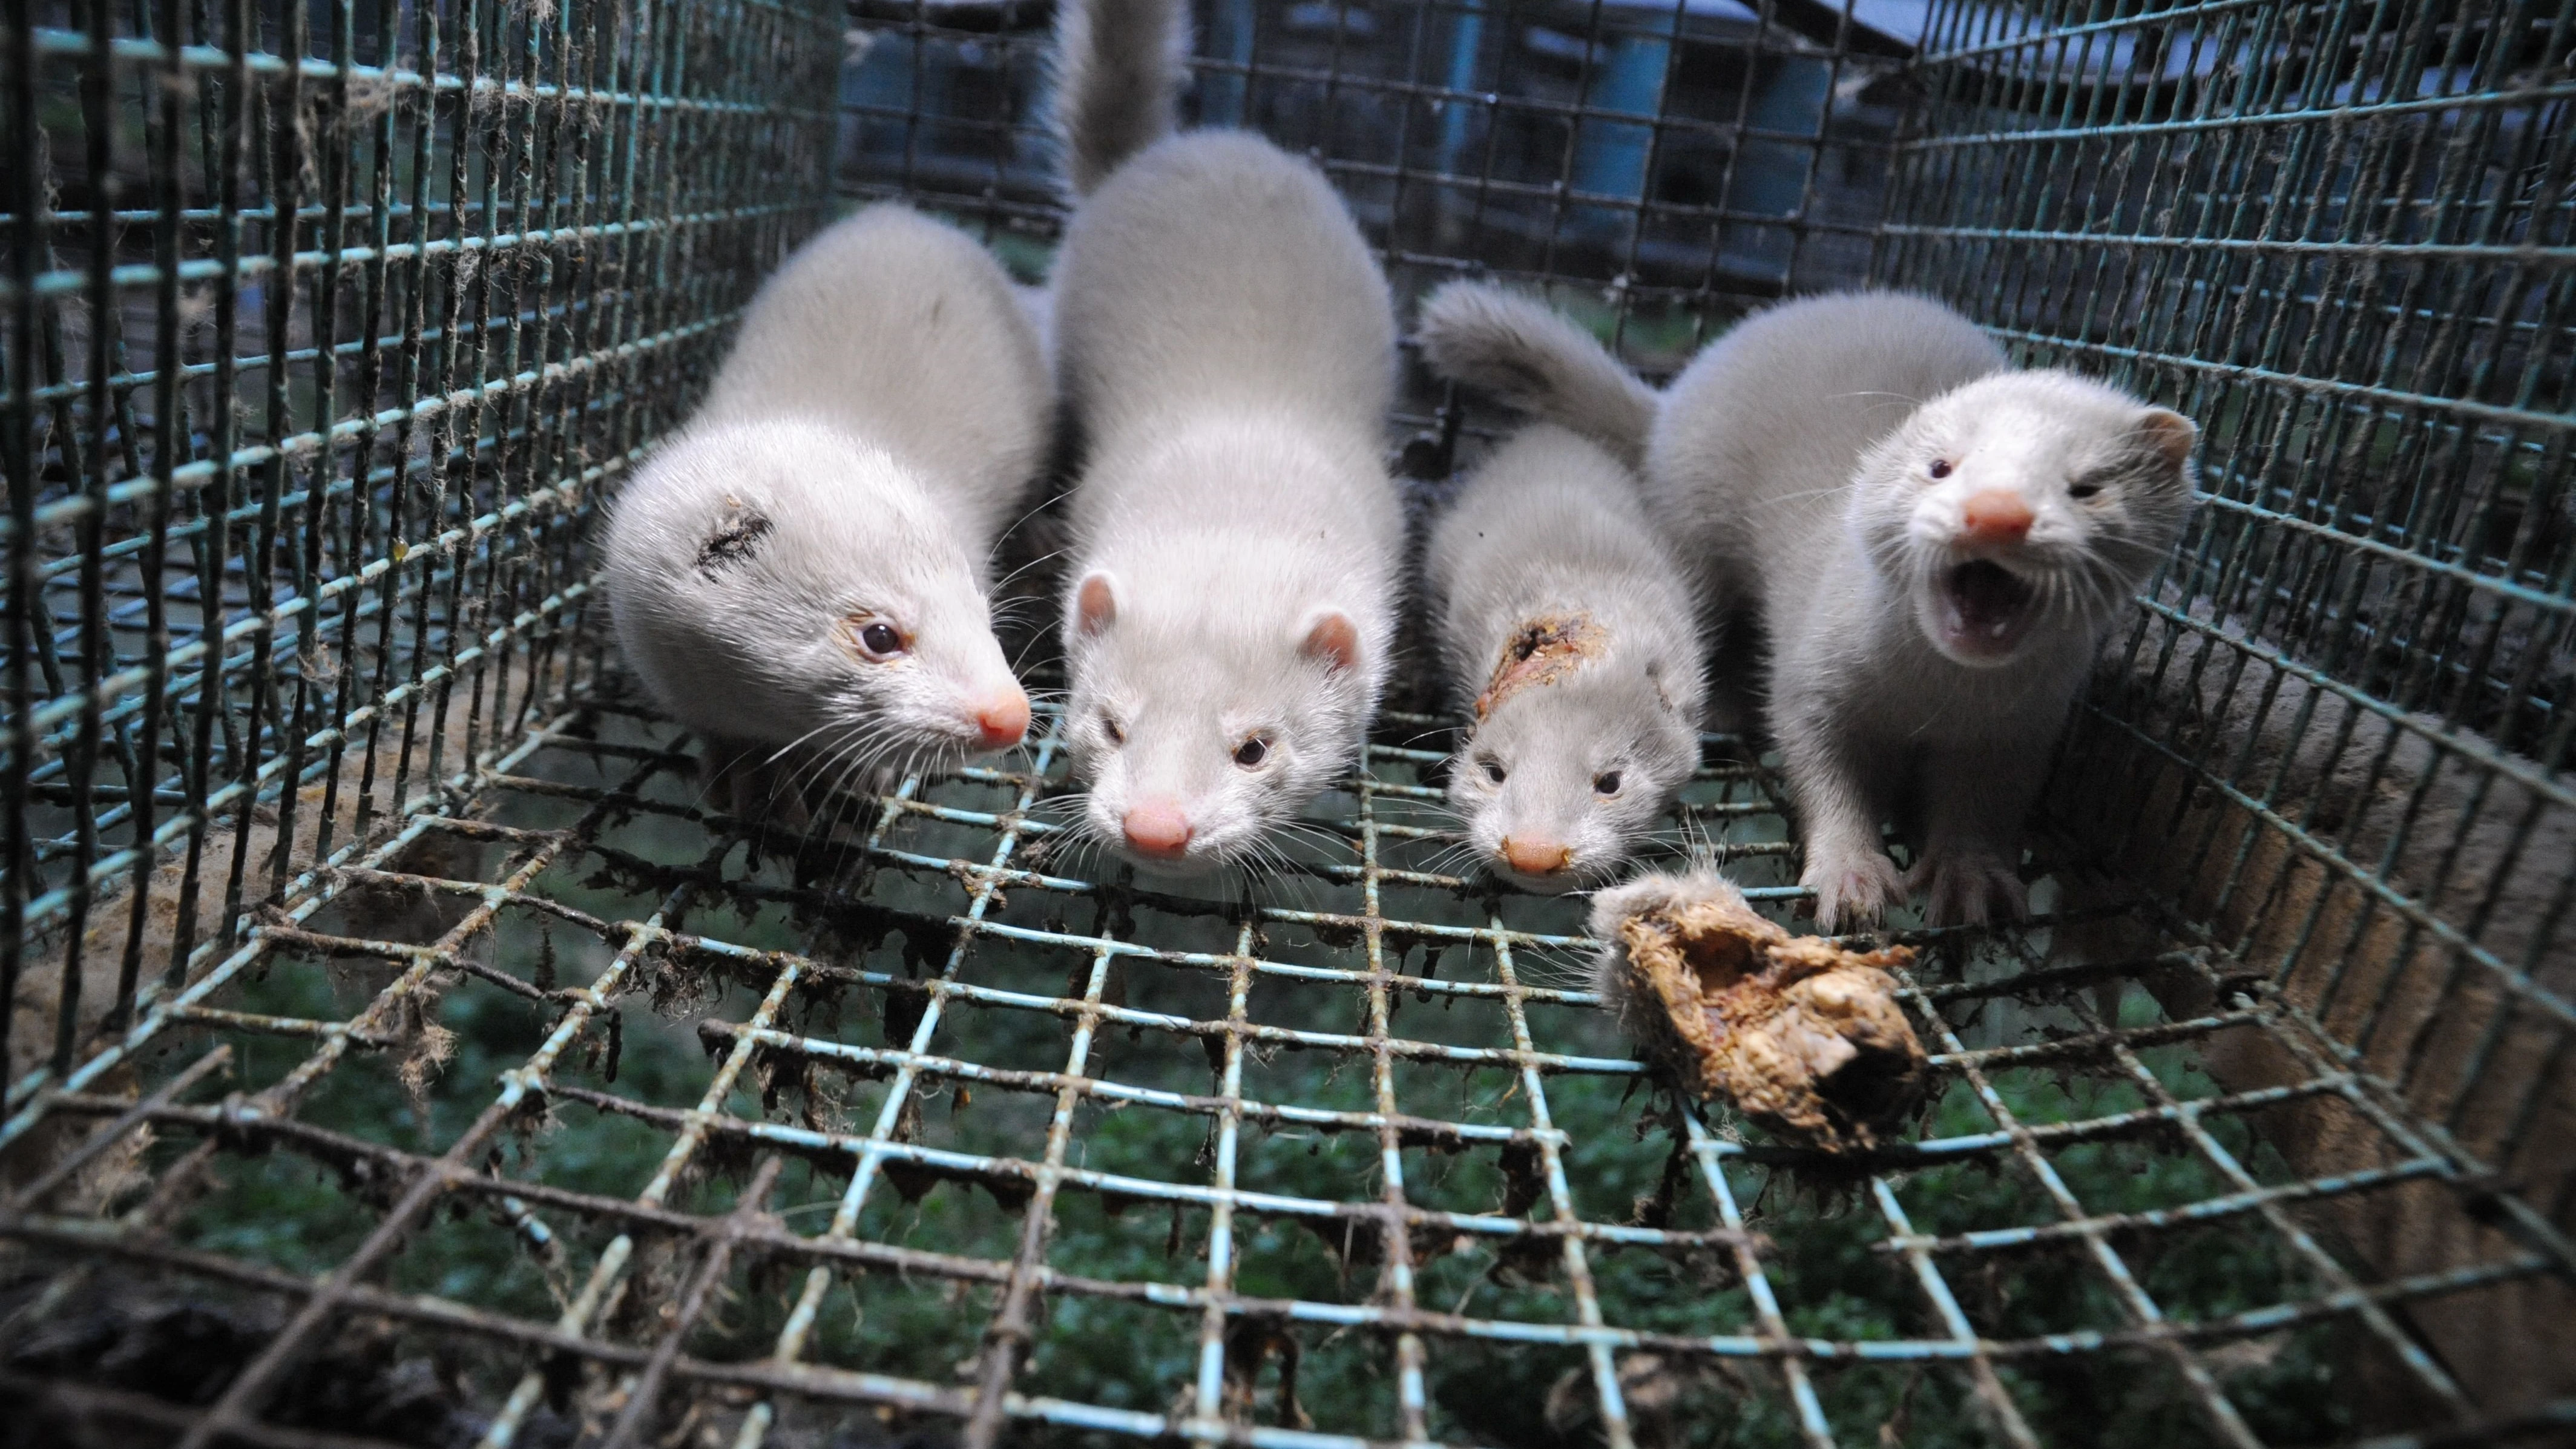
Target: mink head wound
1577	747
783	583
1567	629
2023	505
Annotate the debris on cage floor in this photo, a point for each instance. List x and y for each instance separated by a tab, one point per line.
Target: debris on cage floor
567	1114
572	1108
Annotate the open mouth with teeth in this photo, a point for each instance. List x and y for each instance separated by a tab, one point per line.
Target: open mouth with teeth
1985	608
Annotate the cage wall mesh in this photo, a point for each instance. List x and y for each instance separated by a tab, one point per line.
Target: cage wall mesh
401	1053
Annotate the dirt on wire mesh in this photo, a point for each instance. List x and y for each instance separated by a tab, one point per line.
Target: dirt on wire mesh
1795	1032
122	1357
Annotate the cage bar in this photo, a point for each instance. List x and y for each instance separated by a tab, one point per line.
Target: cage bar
396	1029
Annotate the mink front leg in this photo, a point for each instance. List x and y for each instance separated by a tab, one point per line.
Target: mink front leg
1847	864
754	782
1975	797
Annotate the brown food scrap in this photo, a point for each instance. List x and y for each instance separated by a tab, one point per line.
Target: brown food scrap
1542	651
1799	1034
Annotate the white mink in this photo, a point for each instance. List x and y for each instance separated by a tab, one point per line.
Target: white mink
804	567
1567	630
1227	345
1935	544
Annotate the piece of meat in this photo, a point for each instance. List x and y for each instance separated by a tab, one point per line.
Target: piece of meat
1798	1034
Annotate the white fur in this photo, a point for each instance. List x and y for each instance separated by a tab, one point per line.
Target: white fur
1790	462
1118	65
883	410
1532	357
1227	345
1552	525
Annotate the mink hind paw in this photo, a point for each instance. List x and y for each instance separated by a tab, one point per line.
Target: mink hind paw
1967	889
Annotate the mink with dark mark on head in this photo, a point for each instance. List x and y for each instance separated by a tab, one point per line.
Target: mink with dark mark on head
1566	629
1933	542
800	575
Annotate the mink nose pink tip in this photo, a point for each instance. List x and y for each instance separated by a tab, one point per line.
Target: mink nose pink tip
1157	828
1001	720
1536	857
1995	516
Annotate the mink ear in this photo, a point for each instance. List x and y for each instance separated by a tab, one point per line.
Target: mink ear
2169	435
1663	691
1095	603
1333	639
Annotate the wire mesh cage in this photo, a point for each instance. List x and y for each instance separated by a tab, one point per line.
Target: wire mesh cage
402	1052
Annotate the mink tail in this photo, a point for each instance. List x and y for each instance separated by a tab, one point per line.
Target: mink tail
1532	358
1118	69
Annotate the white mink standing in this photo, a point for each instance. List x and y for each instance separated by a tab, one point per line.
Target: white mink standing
1227	346
1567	630
1934	541
802	572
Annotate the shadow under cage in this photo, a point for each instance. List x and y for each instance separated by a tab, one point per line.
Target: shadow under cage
400	1052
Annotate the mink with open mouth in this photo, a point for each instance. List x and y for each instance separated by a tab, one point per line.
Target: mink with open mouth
1985	607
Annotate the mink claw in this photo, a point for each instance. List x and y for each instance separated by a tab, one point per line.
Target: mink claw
1968	890
1853	888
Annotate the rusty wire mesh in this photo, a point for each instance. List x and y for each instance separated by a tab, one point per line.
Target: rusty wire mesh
446	1074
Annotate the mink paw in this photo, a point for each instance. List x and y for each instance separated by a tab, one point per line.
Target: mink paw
1967	890
1853	887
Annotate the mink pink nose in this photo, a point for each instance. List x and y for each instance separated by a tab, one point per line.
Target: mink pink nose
1536	857
1002	719
1997	515
1157	828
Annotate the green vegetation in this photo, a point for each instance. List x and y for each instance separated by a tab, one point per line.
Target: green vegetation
1824	1261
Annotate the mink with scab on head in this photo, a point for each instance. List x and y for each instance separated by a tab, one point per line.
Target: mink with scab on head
1932	542
1568	634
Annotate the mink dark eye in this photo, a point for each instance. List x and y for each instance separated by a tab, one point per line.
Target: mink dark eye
2083	490
1252	752
1606	783
1493	770
1110	728
1940	468
874	638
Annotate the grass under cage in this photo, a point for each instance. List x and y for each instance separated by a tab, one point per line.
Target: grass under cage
1825	1253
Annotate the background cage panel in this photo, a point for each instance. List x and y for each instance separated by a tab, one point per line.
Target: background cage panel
401	1053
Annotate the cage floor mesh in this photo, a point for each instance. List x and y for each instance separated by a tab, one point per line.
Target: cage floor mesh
401	1055
571	1109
